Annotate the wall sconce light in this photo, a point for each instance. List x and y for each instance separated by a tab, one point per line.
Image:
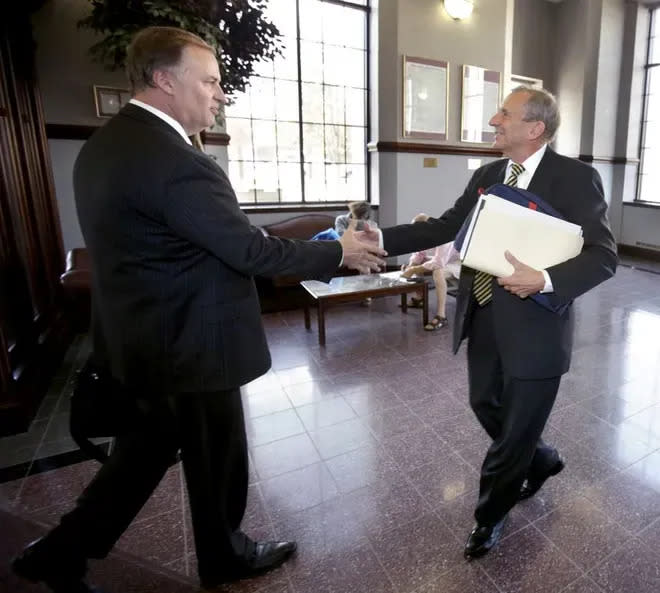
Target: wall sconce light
458	9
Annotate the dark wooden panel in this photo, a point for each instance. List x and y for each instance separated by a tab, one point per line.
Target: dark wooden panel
642	252
216	139
69	131
78	132
427	148
614	160
33	331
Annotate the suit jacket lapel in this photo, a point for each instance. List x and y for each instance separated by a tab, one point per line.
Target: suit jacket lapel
501	171
541	183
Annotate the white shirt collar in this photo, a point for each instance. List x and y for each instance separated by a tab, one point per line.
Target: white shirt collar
166	118
531	163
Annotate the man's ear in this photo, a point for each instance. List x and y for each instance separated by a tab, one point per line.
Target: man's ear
537	130
164	80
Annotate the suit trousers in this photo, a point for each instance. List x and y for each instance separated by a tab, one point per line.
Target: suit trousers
209	430
513	412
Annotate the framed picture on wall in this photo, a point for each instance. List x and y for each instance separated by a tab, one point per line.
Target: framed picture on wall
109	100
425	91
480	101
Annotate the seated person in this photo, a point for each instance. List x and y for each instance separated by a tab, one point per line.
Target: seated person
443	262
360	211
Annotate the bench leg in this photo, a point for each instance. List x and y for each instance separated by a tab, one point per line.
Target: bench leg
404	302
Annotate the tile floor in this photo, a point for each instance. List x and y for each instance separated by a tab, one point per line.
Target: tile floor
366	452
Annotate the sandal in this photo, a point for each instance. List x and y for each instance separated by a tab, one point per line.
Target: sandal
436	323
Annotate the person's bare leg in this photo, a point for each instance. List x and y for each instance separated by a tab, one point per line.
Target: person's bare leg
440	282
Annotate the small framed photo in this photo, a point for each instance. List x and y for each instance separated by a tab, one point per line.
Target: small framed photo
109	100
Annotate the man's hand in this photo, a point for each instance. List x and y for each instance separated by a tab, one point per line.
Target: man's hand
411	271
524	280
368	234
361	254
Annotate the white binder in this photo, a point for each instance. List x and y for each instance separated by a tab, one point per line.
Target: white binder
536	239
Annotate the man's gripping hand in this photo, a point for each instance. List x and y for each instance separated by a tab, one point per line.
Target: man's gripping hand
361	253
524	281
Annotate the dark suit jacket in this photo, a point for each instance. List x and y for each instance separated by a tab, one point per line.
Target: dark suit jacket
175	308
532	341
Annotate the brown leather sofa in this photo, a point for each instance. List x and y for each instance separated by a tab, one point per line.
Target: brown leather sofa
282	293
76	282
279	293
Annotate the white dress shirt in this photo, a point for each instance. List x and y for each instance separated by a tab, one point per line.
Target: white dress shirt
166	118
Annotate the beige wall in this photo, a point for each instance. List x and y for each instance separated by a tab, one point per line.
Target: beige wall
66	74
425	30
534	31
570	57
422	28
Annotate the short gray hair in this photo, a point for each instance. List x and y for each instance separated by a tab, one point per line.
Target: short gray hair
541	106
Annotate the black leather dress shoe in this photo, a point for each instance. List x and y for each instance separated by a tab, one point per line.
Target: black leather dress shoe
533	485
41	562
266	556
482	538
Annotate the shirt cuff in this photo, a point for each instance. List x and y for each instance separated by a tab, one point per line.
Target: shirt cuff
548	283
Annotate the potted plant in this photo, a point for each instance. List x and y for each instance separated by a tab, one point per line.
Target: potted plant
238	29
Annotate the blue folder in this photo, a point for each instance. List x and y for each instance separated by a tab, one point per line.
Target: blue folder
327	235
528	200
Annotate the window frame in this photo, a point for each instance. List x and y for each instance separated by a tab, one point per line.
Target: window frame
654	12
305	205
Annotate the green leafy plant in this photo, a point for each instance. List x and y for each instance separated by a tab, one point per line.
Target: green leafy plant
238	29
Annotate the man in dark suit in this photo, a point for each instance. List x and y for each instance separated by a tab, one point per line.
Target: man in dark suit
518	350
175	315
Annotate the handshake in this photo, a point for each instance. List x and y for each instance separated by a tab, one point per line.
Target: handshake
361	249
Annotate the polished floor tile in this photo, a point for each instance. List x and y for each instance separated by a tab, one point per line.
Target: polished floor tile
418	552
528	562
342	437
285	455
633	567
627	500
361	467
366	452
583	532
298	490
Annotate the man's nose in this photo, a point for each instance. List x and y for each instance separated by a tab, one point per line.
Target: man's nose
494	121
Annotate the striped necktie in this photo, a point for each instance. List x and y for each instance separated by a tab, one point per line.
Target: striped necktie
483	282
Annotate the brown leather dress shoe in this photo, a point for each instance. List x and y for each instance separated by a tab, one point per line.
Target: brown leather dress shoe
532	485
266	556
482	538
62	573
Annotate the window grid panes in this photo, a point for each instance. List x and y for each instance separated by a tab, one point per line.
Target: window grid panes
285	151
649	173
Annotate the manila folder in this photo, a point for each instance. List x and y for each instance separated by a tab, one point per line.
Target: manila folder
536	239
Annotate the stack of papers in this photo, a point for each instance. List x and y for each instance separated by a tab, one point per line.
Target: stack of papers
536	239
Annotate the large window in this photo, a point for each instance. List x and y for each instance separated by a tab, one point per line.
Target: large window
649	178
299	132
